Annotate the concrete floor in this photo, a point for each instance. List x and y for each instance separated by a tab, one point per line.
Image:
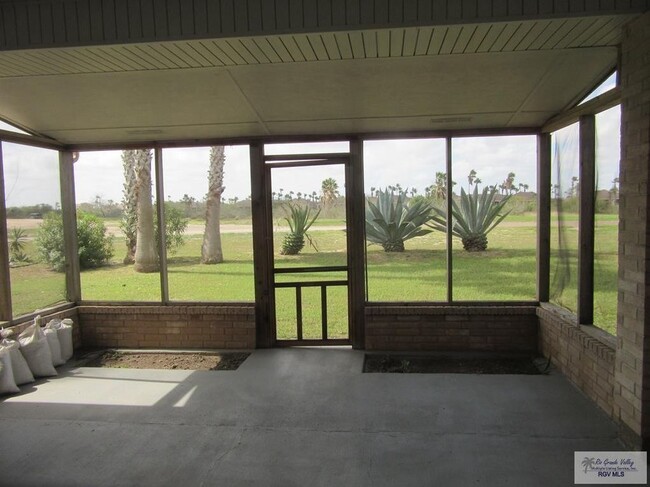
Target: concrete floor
304	417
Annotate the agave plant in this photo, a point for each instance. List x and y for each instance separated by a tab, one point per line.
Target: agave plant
473	218
299	220
392	221
17	240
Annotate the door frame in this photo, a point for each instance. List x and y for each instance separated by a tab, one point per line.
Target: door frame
261	165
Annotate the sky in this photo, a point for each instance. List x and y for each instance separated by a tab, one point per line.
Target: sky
31	174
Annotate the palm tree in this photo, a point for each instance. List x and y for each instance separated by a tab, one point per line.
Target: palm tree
471	177
146	258
555	190
440	187
508	184
329	190
129	205
574	186
211	252
189	202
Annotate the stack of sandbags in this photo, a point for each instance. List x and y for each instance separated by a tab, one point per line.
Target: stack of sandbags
52	338
35	347
7	382
63	330
36	353
21	372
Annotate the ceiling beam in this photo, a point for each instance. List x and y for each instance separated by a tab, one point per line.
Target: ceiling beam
32	140
596	105
287	139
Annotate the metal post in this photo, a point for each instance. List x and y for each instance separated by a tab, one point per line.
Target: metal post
450	295
5	279
543	216
162	241
356	226
587	191
69	215
299	311
264	319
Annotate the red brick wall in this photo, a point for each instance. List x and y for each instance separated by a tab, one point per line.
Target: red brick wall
632	387
187	326
451	328
584	354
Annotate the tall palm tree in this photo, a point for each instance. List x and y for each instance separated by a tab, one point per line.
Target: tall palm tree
211	252
440	187
329	190
146	258
129	205
574	186
471	177
509	184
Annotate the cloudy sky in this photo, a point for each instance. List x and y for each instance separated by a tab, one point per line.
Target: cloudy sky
31	175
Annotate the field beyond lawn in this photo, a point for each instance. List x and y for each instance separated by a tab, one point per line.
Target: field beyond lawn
505	272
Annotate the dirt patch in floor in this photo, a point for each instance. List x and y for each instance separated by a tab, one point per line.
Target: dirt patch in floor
402	364
166	360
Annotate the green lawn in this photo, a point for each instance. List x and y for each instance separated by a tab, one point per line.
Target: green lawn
33	285
506	272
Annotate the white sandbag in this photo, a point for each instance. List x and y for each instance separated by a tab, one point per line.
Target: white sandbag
36	351
6	333
67	325
55	348
22	374
64	332
7	383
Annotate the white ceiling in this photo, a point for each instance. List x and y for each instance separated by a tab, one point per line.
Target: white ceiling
494	76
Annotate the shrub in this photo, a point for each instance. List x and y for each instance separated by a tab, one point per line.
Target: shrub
175	226
95	247
299	220
17	239
391	220
473	217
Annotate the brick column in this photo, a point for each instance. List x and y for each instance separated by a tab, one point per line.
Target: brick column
632	369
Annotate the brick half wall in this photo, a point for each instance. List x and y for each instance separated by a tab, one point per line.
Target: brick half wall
584	354
451	328
174	327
